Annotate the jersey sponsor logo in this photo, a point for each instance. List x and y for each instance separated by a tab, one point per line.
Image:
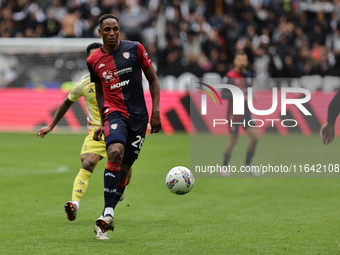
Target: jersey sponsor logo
120	84
114	126
101	65
123	71
126	55
108	76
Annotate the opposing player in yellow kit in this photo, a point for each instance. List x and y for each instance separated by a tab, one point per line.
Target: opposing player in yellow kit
92	151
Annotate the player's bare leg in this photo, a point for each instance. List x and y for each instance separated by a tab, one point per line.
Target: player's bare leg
128	178
88	163
233	138
254	137
232	141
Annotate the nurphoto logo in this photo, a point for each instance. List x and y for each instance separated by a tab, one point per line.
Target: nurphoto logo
239	99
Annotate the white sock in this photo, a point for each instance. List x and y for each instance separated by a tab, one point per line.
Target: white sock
109	210
76	203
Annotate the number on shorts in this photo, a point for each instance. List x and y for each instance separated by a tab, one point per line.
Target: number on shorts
139	141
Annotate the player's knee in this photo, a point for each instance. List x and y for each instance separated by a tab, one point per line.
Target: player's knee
115	155
88	165
233	140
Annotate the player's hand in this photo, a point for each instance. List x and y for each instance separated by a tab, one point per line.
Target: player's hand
97	136
155	122
327	133
44	131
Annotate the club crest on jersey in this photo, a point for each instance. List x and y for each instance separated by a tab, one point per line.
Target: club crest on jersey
114	126
126	55
108	76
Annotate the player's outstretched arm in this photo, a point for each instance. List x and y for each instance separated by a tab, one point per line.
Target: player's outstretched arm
62	109
327	133
155	120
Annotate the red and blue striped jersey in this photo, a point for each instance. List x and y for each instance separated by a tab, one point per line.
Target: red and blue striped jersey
120	73
242	81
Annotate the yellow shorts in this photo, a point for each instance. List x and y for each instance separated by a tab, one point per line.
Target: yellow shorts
92	146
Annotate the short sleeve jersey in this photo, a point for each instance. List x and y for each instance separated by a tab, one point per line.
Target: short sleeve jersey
120	73
243	81
84	88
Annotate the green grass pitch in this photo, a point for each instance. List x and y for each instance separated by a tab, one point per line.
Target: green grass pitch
219	215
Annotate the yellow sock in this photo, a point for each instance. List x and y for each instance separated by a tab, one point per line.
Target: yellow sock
80	184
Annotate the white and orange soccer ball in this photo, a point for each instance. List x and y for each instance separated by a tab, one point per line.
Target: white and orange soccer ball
179	180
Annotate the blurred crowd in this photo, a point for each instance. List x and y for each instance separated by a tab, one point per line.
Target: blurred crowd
282	38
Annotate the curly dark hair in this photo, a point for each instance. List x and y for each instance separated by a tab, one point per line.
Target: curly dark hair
92	46
107	16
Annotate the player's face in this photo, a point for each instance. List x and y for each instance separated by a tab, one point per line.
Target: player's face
109	32
241	63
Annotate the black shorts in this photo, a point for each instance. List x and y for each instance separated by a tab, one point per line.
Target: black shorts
127	131
244	122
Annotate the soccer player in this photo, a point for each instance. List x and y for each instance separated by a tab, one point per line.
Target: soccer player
92	151
116	70
240	77
327	131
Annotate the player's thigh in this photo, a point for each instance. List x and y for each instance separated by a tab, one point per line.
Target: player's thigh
250	125
124	172
233	133
116	129
134	142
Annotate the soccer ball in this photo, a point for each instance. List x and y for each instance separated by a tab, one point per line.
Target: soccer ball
179	180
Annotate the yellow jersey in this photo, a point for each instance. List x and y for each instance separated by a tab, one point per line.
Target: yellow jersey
85	88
